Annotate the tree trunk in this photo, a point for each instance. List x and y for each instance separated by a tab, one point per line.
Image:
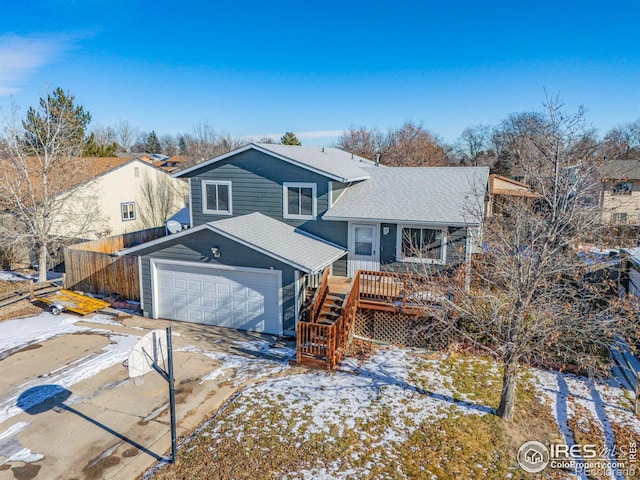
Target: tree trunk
42	262
507	399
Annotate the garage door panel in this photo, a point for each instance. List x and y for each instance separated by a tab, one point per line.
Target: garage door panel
243	299
210	302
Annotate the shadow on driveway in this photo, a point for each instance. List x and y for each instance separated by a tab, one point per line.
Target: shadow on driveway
52	397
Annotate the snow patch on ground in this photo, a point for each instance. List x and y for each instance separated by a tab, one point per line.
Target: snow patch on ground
101	319
8	276
10	448
11	276
22	332
24	455
267	348
244	368
600	399
391	383
317	402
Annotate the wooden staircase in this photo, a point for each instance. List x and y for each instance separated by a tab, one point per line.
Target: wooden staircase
331	309
325	330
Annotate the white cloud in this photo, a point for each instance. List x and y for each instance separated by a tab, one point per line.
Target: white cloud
21	57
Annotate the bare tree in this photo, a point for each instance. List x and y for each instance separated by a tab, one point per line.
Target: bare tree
41	167
409	146
126	135
105	136
169	145
205	143
158	198
363	142
623	142
473	144
413	146
530	301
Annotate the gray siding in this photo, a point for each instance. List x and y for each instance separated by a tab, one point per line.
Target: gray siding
256	183
197	248
339	267
456	244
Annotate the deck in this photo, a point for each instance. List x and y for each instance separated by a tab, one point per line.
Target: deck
329	318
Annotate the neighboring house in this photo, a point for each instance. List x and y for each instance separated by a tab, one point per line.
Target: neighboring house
266	219
116	185
501	188
621	192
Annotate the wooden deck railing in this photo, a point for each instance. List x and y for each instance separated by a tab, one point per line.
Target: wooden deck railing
344	325
325	345
398	289
319	297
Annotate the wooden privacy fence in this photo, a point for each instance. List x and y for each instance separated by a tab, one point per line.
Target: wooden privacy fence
629	366
94	266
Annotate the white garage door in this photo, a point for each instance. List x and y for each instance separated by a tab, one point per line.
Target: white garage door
237	298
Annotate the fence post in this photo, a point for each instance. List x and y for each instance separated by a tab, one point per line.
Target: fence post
32	294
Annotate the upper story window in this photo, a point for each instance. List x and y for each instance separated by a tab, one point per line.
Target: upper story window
216	197
622	188
128	211
299	200
418	244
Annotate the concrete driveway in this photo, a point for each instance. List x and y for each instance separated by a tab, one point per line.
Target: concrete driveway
69	411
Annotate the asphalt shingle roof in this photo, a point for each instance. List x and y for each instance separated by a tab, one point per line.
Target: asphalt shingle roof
279	240
428	195
331	162
620	170
265	235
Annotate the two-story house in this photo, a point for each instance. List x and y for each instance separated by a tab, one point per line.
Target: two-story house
620	192
266	218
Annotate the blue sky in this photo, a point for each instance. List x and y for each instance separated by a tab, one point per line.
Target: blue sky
251	68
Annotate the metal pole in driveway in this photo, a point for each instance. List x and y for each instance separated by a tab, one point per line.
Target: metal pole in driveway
172	398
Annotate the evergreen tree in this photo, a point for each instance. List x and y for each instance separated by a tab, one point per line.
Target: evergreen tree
92	149
502	166
153	145
182	145
289	138
57	117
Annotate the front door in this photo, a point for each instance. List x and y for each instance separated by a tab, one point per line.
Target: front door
364	251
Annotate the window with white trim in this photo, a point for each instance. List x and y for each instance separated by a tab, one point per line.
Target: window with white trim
128	211
419	244
216	197
299	200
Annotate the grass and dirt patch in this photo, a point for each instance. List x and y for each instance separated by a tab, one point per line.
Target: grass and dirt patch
390	415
